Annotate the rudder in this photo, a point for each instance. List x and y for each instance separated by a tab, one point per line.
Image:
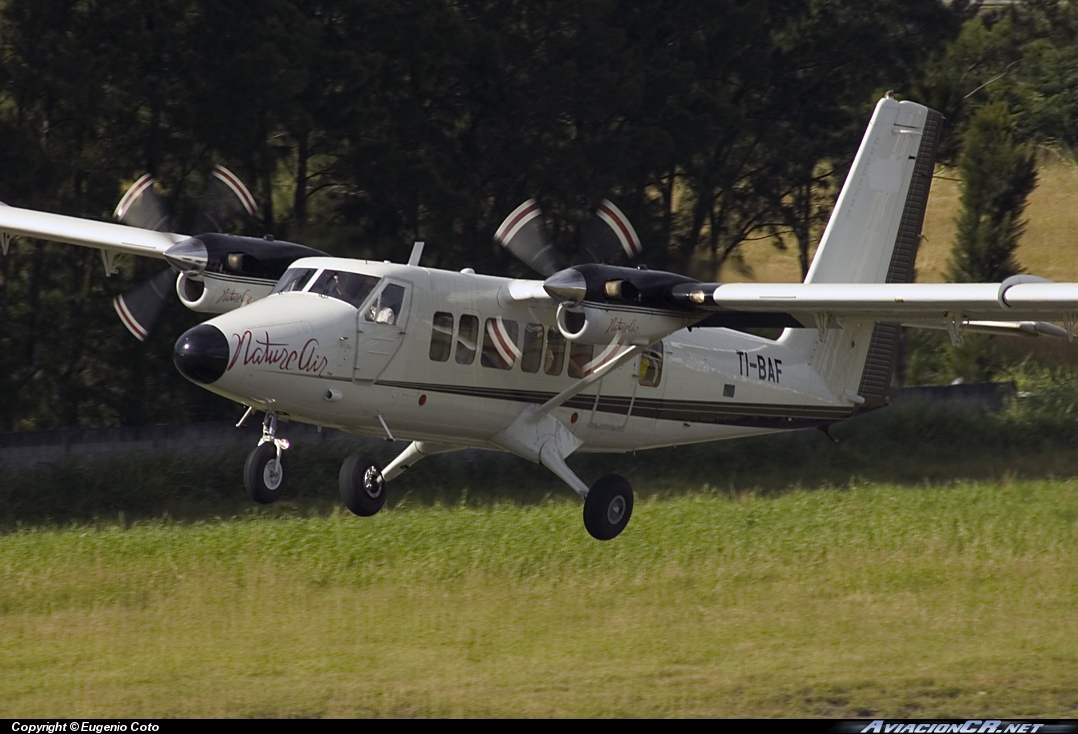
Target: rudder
872	237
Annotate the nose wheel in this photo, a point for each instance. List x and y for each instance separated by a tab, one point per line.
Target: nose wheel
363	488
608	507
265	473
267	468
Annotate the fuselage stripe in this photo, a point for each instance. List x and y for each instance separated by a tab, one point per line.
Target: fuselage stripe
694	411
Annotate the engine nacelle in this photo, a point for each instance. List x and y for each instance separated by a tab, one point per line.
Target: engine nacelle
589	324
213	293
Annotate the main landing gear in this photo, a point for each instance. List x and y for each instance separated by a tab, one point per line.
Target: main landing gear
363	488
608	504
363	480
608	507
267	467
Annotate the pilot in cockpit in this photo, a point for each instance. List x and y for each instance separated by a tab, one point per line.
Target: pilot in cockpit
386	308
383	315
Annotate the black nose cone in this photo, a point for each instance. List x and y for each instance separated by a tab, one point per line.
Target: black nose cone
201	354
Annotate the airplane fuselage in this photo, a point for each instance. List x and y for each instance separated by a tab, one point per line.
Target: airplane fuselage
445	357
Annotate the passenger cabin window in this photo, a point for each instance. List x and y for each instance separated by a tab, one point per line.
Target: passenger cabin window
294	279
500	344
352	288
580	357
554	360
532	356
441	337
386	309
651	366
467	338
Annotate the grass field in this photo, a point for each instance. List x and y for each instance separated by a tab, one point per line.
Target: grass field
873	600
922	566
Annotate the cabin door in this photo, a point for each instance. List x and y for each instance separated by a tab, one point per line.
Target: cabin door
631	391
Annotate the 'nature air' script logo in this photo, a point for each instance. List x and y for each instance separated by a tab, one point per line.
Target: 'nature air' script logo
621	326
233	296
265	352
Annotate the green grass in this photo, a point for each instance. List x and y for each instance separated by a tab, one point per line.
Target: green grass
922	566
873	600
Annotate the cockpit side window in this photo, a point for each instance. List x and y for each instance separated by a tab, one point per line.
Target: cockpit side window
386	309
294	279
352	288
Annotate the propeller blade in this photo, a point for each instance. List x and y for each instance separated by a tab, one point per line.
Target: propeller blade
140	306
142	207
609	232
226	200
524	234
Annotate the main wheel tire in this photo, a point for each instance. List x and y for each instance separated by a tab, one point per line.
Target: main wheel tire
363	489
608	507
264	476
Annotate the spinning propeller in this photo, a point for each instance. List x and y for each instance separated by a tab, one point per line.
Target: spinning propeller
524	234
226	200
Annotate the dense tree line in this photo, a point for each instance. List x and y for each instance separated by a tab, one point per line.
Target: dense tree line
362	126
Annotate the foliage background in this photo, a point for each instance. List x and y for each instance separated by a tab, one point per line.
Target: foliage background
362	126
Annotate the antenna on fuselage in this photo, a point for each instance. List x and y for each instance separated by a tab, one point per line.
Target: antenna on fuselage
417	252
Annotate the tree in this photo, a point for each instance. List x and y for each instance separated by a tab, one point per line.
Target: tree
998	173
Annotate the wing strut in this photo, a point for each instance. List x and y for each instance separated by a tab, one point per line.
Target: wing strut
596	374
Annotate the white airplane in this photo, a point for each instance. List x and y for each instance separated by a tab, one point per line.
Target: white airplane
592	358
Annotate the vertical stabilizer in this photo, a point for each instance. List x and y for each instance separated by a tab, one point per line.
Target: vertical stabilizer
872	237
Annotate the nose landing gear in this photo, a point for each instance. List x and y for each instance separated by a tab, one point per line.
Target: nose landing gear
267	467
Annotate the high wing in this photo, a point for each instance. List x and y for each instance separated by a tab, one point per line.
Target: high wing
891	301
213	271
1019	306
111	238
992	307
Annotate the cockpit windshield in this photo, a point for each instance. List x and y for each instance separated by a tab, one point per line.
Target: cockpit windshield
294	279
351	288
